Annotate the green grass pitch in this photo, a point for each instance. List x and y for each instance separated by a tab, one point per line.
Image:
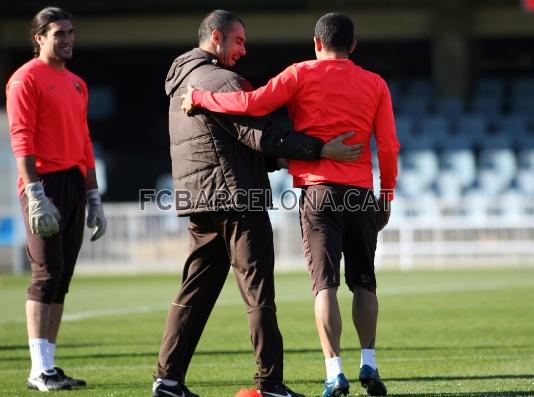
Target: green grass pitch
441	333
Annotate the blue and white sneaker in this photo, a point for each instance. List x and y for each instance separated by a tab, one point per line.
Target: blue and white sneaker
371	381
337	387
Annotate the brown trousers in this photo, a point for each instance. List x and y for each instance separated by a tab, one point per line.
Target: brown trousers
218	240
52	259
336	220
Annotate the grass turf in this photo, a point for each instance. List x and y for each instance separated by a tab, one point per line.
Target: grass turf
441	333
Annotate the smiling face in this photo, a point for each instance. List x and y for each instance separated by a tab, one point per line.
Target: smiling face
231	46
56	43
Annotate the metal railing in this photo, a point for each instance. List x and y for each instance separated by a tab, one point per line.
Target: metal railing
156	240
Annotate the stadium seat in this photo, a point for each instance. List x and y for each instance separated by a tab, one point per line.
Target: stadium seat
526	159
435	130
405	128
492	184
394	90
511	125
410	184
434	125
280	181
488	106
523	105
424	163
412	138
475	205
449	187
425	208
496	141
462	163
449	107
509	205
523	86
420	89
525	181
413	106
491	87
499	161
473	128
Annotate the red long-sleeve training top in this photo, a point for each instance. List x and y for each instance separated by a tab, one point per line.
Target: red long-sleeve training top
326	98
47	112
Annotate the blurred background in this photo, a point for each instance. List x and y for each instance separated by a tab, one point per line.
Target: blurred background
461	74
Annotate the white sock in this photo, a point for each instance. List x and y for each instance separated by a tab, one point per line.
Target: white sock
167	382
368	358
333	367
39	356
51	351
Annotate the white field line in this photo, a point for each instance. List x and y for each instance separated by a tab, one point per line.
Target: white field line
302	295
113	312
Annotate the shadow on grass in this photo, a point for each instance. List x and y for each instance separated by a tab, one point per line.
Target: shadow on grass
153	353
471	394
452	377
287	351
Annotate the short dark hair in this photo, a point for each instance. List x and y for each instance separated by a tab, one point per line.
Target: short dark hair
40	23
220	20
336	31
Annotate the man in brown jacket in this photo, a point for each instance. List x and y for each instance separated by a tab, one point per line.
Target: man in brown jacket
221	183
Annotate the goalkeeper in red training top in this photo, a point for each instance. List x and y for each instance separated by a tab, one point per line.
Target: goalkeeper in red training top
47	112
339	213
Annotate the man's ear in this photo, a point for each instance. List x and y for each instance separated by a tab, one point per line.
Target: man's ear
352	47
216	38
318	44
38	39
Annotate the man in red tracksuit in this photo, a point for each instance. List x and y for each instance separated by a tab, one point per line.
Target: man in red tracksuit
339	213
47	112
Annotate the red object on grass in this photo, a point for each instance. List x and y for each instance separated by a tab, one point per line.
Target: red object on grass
247	393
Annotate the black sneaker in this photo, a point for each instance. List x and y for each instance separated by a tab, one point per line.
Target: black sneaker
46	382
180	390
371	381
71	381
278	390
